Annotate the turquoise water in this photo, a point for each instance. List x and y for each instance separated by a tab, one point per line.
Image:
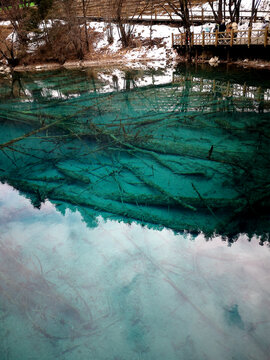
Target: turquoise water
122	195
187	149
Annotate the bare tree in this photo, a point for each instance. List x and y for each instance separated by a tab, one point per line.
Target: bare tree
108	19
218	13
124	25
19	14
254	9
8	49
181	8
85	4
125	15
234	10
71	30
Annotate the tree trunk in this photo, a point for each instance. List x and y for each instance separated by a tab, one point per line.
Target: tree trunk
85	25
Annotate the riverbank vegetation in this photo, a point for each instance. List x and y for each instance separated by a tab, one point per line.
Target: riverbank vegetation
59	31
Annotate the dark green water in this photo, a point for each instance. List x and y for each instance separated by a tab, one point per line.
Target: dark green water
87	158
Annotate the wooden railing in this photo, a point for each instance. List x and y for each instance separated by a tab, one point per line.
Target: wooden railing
157	10
202	86
231	38
207	15
199	16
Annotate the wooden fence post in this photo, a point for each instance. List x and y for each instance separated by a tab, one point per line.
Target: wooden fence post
203	33
265	36
231	41
249	36
216	39
172	39
202	15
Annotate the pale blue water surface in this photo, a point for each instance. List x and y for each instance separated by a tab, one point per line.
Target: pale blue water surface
114	184
122	291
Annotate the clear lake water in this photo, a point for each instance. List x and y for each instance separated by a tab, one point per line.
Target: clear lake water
134	214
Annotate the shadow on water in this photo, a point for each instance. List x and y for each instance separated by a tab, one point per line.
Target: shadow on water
186	150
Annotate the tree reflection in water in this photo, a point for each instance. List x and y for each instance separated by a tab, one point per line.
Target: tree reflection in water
191	154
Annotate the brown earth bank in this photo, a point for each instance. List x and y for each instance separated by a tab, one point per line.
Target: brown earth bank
256	64
75	64
117	60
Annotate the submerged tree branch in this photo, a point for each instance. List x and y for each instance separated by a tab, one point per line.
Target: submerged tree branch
13	141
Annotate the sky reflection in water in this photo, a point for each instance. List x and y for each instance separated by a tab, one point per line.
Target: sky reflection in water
122	291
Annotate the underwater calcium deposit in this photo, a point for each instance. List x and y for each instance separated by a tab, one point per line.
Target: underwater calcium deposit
87	159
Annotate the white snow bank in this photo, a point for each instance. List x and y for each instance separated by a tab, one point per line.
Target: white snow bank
157	54
5	23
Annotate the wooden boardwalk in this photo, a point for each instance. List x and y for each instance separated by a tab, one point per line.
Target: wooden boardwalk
198	18
240	38
203	87
156	11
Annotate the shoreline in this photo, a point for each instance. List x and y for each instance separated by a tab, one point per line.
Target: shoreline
81	64
117	61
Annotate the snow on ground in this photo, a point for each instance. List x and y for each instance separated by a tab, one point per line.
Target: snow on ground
5	23
162	54
157	55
